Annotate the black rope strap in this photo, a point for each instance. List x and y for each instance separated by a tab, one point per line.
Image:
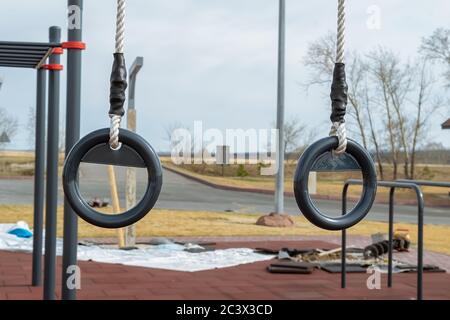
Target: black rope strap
118	86
339	94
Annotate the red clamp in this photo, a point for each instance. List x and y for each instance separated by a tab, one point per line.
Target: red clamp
74	45
57	50
54	67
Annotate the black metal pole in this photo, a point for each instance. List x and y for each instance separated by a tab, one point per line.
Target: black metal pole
344	241
420	209
39	177
72	136
420	205
391	235
52	171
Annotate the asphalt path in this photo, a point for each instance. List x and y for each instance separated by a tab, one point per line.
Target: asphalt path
184	194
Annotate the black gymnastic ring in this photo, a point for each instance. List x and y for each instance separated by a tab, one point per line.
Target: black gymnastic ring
71	186
306	205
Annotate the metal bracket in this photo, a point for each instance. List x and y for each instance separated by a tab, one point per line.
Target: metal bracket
124	157
331	162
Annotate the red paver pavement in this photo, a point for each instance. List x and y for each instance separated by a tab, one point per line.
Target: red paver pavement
250	281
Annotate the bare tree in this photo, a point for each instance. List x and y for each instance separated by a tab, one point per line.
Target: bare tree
437	48
425	108
407	94
373	131
398	84
320	59
8	125
294	135
62	139
357	93
387	74
31	127
170	128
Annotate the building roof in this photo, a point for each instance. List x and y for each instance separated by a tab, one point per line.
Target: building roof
25	54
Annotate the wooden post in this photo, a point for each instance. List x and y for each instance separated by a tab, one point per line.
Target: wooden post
129	234
115	201
130	231
312	183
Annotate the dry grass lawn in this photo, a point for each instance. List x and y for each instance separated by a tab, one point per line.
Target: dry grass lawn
329	185
171	223
21	164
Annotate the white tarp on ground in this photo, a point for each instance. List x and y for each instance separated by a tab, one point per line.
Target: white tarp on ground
167	256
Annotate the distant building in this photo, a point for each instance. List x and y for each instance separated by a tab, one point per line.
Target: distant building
4	138
446	125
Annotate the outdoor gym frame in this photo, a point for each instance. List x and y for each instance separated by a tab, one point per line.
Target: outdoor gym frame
35	55
393	185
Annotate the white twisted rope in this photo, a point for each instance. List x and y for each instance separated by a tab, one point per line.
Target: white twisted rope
340	44
120	26
338	129
120	39
114	132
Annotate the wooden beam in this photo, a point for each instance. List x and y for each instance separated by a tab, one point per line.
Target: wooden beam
115	202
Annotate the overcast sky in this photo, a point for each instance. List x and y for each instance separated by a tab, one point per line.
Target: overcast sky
209	60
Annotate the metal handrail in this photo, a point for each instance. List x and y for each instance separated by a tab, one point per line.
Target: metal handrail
426	183
393	185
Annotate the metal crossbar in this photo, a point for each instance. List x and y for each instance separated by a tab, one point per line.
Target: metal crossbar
25	54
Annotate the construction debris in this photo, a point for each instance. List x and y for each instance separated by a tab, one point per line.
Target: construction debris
376	250
337	268
98	203
292	267
402	240
305	261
